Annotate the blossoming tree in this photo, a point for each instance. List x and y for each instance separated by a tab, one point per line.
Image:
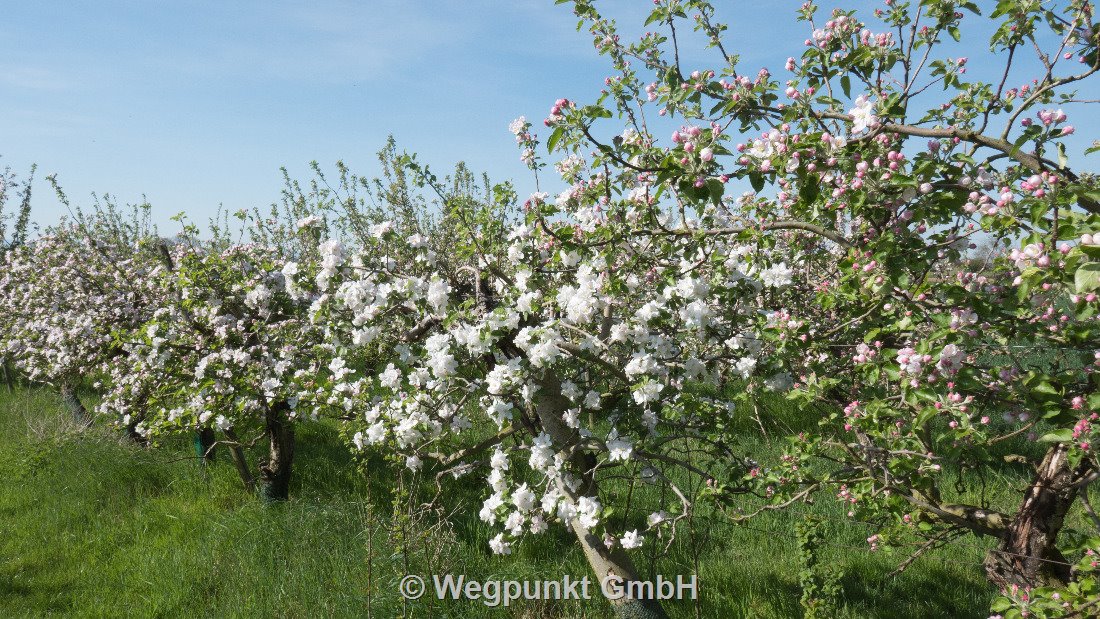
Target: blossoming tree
876	162
235	347
565	349
18	223
67	295
542	357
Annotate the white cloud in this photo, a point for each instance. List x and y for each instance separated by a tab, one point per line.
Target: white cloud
28	77
337	42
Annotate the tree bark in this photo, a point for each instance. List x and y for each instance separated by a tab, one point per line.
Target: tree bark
132	432
603	561
76	408
1027	555
236	453
275	470
8	379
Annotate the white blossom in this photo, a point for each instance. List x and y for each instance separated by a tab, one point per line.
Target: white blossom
863	115
777	275
500	546
631	539
618	448
523	498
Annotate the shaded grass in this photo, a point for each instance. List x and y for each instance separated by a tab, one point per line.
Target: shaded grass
93	526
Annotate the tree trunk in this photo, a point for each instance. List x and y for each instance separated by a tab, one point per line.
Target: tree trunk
236	453
604	562
204	444
8	379
275	471
76	408
1027	555
616	562
132	431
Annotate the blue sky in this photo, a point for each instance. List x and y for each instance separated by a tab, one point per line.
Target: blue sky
195	104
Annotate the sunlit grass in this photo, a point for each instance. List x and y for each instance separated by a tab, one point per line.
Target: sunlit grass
93	526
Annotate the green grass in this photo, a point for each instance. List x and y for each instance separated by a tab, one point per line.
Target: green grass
92	526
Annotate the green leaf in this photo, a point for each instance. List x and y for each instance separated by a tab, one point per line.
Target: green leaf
808	192
928	395
1087	194
552	141
924	416
846	86
1064	435
756	180
1020	141
1044	390
597	111
1087	277
894	105
716	189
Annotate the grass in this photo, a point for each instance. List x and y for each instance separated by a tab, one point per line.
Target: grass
92	526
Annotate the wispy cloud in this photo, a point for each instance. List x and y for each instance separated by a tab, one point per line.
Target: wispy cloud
23	123
29	77
333	42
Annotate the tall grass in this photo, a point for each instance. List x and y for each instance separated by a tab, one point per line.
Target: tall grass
93	526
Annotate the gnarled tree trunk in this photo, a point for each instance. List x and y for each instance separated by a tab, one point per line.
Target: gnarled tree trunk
9	379
1027	555
236	453
132	431
136	418
275	470
604	562
74	405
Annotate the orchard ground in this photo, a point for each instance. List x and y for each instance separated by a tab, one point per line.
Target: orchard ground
91	525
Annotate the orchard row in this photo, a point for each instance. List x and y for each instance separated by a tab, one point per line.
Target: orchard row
883	233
